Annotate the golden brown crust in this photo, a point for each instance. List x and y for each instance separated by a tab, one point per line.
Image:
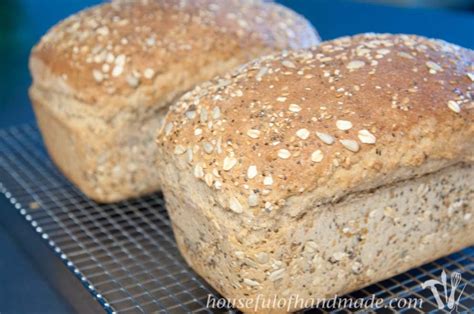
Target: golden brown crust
114	49
383	106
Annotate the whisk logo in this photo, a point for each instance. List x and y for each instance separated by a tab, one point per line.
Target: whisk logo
448	298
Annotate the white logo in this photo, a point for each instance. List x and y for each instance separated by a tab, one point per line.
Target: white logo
451	302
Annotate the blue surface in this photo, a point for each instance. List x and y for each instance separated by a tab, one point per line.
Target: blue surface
22	288
22	22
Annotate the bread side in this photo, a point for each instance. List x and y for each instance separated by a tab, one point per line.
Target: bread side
107	164
333	248
108	74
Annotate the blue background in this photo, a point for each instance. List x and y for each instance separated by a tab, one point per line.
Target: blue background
22	288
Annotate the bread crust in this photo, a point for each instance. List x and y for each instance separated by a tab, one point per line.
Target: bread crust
118	49
352	114
106	76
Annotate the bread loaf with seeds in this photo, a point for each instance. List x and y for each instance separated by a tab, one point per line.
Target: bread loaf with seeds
316	172
103	78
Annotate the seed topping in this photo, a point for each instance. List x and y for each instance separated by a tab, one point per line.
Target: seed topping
294	108
253	133
302	133
229	163
356	64
253	200
268	180
284	154
252	172
235	205
366	137
325	138
454	106
351	145
343	125
317	156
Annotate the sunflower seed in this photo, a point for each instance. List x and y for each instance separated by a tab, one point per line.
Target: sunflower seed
366	137
148	73
252	200
288	64
433	66
253	133
454	106
284	154
252	172
250	282
326	138
235	205
277	274
317	156
351	145
198	171
229	163
356	64
268	180
294	108
302	134
343	125
179	149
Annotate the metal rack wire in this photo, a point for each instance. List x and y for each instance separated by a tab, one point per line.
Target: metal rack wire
125	254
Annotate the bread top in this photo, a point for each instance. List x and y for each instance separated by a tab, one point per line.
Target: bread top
116	48
351	114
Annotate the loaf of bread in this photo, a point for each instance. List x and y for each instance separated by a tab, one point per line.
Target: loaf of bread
316	172
103	79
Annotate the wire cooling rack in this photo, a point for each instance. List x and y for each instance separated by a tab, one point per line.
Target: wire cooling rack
125	255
